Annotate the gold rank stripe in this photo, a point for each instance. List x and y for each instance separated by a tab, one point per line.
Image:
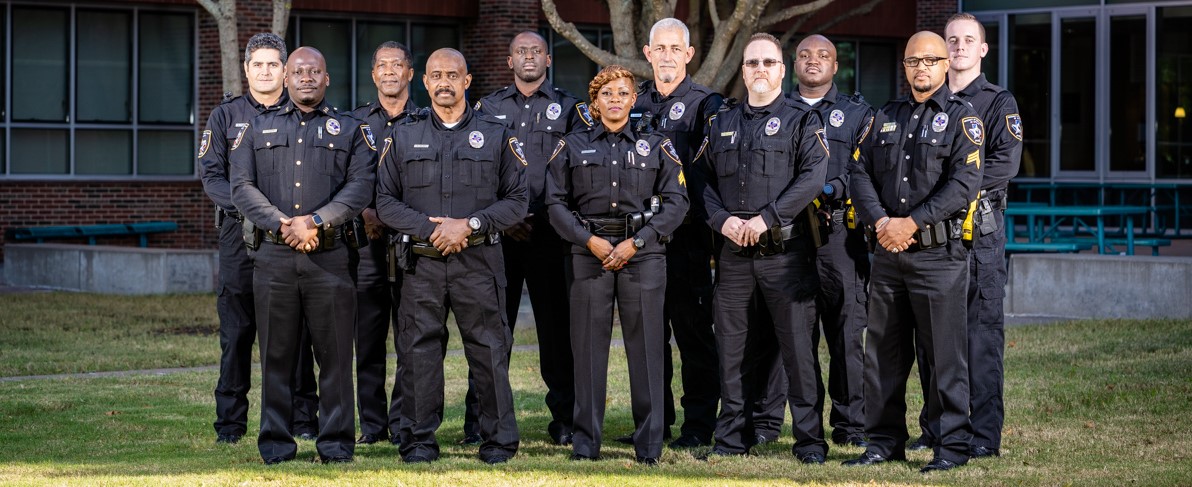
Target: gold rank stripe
974	157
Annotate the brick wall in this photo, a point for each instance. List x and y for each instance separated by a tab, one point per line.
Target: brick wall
486	41
932	15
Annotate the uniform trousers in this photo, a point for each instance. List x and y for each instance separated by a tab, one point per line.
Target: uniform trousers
843	265
296	291
766	411
472	285
917	300
688	316
636	290
374	301
786	283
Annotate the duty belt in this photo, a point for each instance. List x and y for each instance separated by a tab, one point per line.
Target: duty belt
427	249
327	238
774	241
996	198
617	226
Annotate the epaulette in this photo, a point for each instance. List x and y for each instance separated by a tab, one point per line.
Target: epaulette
728	104
362	106
228	97
565	93
643	86
857	98
416	116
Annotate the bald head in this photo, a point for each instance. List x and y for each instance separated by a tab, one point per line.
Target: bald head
815	64
306	78
922	49
446	79
924	41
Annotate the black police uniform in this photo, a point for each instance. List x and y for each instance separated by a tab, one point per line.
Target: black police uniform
843	264
607	179
682	116
923	161
375	300
472	169
539	121
237	321
294	163
767	161
987	265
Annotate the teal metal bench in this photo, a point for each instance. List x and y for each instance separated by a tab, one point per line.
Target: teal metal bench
1153	243
1058	247
90	232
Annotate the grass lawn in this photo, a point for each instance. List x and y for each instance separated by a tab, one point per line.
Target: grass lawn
1089	403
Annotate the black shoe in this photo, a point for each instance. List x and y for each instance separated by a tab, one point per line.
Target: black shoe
939	465
856	439
648	461
417	459
562	438
688	441
276	460
811	457
983	451
576	457
921	443
369	438
306	436
472	439
870	458
495	458
227	438
717	452
337	459
761	439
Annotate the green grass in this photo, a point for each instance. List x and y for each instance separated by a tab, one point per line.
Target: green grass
1088	403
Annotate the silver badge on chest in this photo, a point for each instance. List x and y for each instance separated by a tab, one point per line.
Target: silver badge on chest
553	111
332	126
643	148
772	125
836	118
940	122
676	111
476	139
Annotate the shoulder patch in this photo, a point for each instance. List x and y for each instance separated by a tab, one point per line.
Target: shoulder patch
385	150
974	157
822	137
865	133
1014	125
702	147
204	143
478	104
516	147
973	129
239	136
668	148
368	136
584	115
558	148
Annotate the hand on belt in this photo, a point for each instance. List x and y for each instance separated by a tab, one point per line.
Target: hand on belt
427	249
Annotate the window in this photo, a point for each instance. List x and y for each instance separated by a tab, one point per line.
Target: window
570	69
1173	89
71	83
1029	79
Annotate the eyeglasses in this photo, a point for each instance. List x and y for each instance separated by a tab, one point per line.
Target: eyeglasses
913	62
768	63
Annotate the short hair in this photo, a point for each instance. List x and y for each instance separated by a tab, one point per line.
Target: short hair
405	51
967	16
764	36
527	32
604	77
671	23
266	40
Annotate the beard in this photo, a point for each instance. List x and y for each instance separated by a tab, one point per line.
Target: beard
760	86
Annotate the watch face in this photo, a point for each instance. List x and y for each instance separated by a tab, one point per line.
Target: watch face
639	242
474	223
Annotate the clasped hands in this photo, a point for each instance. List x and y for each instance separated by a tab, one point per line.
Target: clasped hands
744	232
451	236
300	233
612	258
896	234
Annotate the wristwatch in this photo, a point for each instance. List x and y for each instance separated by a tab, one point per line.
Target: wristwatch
638	242
314	217
474	224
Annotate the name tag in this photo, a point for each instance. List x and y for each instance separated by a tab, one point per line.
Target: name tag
889	127
727	134
589	151
269	131
421	146
502	117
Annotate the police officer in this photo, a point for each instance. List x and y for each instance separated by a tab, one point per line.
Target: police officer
614	194
264	61
538	114
919	170
761	165
450	180
300	173
843	261
679	109
375	294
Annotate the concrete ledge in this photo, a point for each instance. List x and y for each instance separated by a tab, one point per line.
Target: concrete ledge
110	269
1100	286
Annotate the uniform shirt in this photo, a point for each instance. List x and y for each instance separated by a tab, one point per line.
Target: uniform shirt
921	160
293	163
225	127
598	173
378	119
1003	127
470	170
847	120
681	116
539	122
767	160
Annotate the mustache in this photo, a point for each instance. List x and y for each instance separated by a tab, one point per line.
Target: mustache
448	91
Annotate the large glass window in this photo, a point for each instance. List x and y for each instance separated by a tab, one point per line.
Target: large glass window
166	81
103	83
333	39
1078	94
39	69
990	64
570	69
1127	83
1030	80
1173	92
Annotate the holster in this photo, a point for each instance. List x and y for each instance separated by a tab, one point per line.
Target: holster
251	234
776	240
819	223
354	233
400	254
983	217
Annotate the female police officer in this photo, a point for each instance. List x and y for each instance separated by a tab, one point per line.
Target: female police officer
615	193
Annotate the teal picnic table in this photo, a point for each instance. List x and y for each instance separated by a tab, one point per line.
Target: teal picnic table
1157	195
1088	220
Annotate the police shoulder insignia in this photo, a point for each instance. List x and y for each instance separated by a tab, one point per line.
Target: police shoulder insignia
682	178
865	133
558	148
204	143
385	150
973	129
584	114
368	136
1014	125
702	147
669	149
239	136
516	147
822	137
478	104
974	157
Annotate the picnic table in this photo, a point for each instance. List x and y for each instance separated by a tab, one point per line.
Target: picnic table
1159	196
1089	220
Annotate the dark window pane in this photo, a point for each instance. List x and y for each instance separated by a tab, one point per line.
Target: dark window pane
1173	92
37	151
166	78
1127	83
572	69
989	65
165	153
105	152
39	81
879	65
104	74
846	73
1030	80
425	39
3	79
333	39
1078	97
368	36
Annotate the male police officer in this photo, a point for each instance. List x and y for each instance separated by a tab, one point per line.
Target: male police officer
761	165
264	61
919	170
375	294
680	109
451	181
843	261
538	114
300	173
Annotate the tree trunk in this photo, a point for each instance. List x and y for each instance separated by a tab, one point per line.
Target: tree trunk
281	17
229	43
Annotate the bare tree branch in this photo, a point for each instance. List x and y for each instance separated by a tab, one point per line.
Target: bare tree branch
792	11
639	67
725	36
715	15
622	19
866	8
281	17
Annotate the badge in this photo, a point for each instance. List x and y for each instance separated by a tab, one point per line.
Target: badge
476	139
669	149
332	126
643	148
516	147
204	143
836	118
584	114
772	125
973	129
676	111
239	136
368	136
1014	125
940	122
553	111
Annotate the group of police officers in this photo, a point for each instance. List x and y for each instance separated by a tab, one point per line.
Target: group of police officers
882	228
